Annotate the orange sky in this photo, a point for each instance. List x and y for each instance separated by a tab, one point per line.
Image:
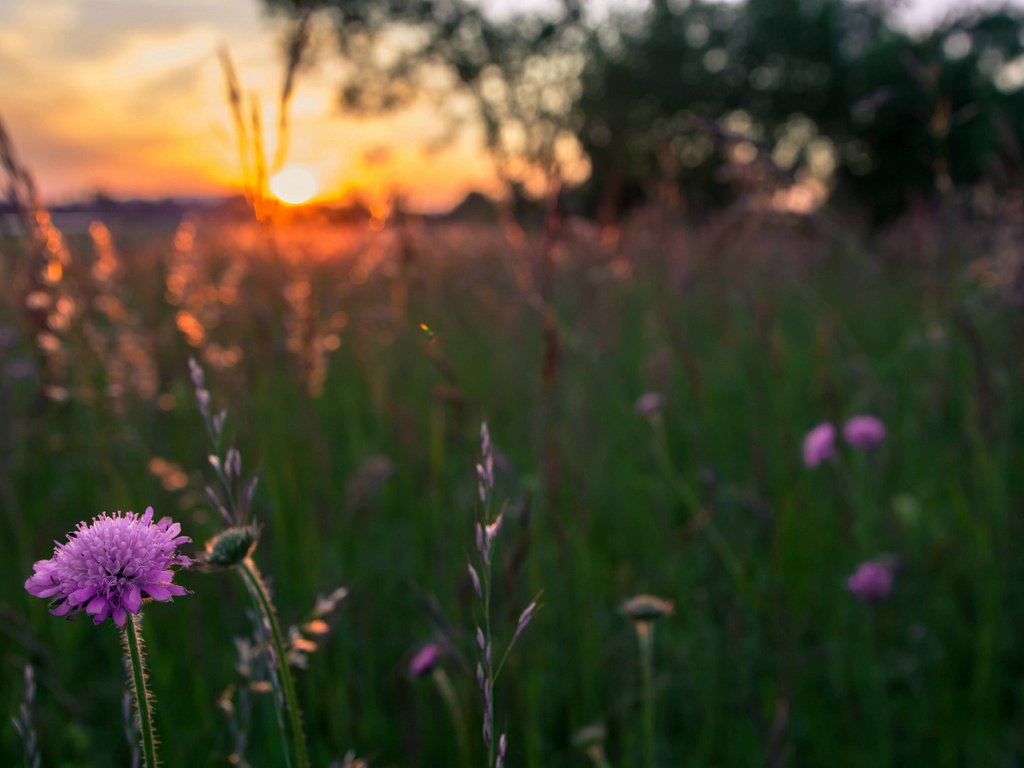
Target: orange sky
127	96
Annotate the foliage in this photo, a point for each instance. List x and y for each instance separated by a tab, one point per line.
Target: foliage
515	78
751	339
707	94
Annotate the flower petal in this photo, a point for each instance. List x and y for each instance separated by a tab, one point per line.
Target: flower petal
98	608
131	600
39	587
158	592
79	596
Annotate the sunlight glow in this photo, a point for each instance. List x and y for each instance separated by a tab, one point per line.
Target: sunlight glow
294	185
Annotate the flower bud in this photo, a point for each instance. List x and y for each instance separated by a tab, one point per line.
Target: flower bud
231	546
647	608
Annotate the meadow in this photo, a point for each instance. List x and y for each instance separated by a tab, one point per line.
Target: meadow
356	365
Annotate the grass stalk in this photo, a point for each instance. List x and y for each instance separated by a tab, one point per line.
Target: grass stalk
447	692
689	498
261	596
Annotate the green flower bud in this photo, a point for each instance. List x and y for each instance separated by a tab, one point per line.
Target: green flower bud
231	546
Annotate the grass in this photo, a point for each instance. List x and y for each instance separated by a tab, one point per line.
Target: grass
749	346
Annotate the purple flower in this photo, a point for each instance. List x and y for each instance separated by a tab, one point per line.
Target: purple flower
106	567
872	581
426	659
648	403
864	432
819	444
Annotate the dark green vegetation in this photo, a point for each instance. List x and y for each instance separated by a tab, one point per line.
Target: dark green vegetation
754	329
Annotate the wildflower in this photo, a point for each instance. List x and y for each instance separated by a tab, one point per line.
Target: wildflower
106	567
872	581
591	740
819	444
594	733
648	403
426	659
644	608
864	432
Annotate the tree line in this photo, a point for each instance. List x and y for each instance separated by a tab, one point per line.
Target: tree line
705	96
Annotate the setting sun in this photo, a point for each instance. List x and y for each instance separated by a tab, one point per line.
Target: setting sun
293	185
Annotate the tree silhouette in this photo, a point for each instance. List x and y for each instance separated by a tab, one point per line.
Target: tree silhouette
684	93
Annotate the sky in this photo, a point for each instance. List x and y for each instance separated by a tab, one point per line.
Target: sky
127	97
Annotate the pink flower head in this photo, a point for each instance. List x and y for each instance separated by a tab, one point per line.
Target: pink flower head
819	444
648	403
426	659
872	581
107	566
864	432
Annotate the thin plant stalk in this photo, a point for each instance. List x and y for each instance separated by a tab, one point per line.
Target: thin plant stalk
689	498
486	672
23	721
645	636
132	634
261	596
597	756
489	667
233	548
447	692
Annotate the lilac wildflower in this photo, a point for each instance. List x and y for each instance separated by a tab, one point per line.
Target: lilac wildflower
426	659
648	404
106	567
819	444
864	432
872	581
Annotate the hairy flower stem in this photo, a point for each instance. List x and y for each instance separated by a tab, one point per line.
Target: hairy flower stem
132	635
645	636
261	596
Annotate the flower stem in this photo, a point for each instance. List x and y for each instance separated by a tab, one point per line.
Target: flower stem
645	634
132	634
451	700
261	596
597	756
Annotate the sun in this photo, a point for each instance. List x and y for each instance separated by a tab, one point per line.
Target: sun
293	184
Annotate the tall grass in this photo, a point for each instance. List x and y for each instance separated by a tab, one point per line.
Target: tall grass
749	345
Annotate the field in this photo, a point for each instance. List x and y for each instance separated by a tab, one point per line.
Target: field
356	365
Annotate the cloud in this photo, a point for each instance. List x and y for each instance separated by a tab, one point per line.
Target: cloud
35	30
128	95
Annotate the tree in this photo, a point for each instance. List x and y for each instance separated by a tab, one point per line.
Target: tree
889	117
516	76
680	92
